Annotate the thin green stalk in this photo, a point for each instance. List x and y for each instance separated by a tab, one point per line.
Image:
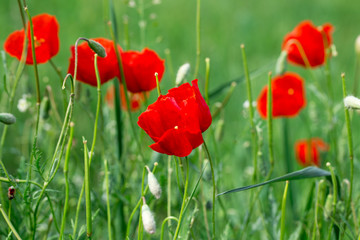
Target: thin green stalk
140	228
350	146
283	210
66	176
207	74
108	199
270	127
225	101
254	145
197	63
157	84
9	223
214	189
316	232
334	184
163	225
87	191
58	72
177	174
170	170
177	231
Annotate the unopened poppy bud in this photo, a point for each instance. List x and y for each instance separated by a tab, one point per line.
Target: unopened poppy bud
181	73
357	45
45	108
97	48
148	218
7	118
328	209
281	63
154	185
352	102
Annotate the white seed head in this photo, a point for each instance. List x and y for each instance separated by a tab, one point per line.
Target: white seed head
148	219
357	45
352	102
181	73
154	185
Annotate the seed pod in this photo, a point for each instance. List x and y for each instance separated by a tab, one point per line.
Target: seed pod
148	218
154	185
181	73
281	63
97	48
7	118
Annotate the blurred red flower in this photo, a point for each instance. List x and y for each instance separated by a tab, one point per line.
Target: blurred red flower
136	99
108	66
176	120
46	36
288	96
313	40
308	151
140	68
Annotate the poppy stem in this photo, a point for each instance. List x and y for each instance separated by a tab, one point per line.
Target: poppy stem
197	63
214	189
157	84
7	220
350	146
334	184
140	226
87	191
254	145
66	176
169	172
177	231
316	231
283	211
163	225
108	199
270	127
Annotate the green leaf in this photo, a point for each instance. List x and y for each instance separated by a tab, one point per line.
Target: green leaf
309	172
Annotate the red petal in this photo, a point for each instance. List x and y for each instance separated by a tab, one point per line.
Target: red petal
14	44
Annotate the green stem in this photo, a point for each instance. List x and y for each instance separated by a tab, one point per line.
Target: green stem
197	63
225	101
157	84
214	189
9	223
350	146
283	210
163	225
270	127
140	228
58	72
87	191
177	231
251	114
170	170
108	199
316	232
334	184
66	176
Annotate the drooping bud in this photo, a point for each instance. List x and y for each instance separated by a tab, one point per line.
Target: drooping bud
7	118
352	102
154	185
148	218
181	73
97	48
357	45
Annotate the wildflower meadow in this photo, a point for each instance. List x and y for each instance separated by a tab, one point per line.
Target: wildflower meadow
161	119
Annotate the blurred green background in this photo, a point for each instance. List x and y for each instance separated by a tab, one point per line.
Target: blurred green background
260	25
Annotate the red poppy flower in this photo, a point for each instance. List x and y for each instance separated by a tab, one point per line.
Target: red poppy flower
307	151
136	99
46	36
176	120
108	66
288	96
140	68
313	40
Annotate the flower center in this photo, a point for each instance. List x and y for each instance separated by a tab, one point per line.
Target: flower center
291	91
176	127
38	42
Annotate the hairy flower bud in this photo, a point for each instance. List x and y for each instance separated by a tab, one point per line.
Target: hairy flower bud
181	73
7	118
352	102
154	185
148	218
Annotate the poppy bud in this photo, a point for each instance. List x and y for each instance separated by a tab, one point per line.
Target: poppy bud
45	108
328	209
181	73
352	102
148	218
97	48
7	118
154	185
281	63
357	45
